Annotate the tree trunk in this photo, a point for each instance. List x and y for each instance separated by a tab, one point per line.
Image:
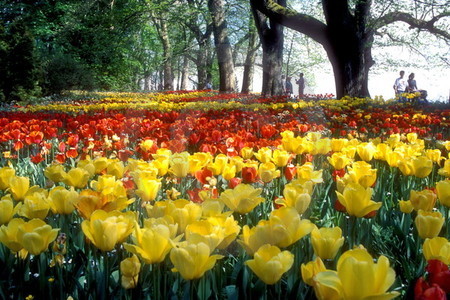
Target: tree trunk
272	40
350	47
223	47
163	33
247	78
185	74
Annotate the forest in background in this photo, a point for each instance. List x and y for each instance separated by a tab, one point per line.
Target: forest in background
49	46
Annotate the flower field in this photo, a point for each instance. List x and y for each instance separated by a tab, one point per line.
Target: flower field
200	195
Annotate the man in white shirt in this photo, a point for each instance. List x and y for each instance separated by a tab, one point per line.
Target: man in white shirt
400	86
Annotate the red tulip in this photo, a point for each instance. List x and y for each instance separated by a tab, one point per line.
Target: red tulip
249	174
424	291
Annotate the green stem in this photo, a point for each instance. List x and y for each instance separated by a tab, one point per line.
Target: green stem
42	267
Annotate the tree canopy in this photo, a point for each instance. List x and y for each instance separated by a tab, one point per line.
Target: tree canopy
183	44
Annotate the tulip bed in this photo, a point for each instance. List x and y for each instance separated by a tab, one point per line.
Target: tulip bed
200	195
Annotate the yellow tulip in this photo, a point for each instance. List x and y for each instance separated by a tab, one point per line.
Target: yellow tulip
203	231
229	172
88	202
382	152
313	136
212	207
339	160
146	145
362	173
8	234
116	168
422	166
295	196
406	166
130	268
428	224
182	211
7	209
5	174
161	164
412	137
36	235
338	144
443	192
406	207
437	248
393	158
77	177
87	165
322	146
35	205
217	167
106	229
264	154
291	227
326	242
306	172
62	201
192	260
280	157
230	228
151	244
268	171
19	187
434	155
311	269
424	200
148	189
445	171
283	229
242	199
349	151
357	277
247	153
393	140
270	263
237	162
198	161
366	151
179	164
107	185
55	172
357	200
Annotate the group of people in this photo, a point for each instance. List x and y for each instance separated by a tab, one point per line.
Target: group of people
287	85
402	86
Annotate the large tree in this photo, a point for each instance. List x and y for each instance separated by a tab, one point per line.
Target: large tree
348	28
223	48
272	41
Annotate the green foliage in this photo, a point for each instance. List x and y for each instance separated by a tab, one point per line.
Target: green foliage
63	72
18	64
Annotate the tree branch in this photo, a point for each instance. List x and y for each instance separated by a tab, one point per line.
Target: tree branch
415	23
293	19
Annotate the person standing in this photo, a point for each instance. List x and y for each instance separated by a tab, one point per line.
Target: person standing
400	86
412	85
288	86
301	86
283	84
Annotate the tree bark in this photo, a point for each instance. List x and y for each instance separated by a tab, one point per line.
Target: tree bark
223	48
185	73
163	33
247	78
203	57
272	40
